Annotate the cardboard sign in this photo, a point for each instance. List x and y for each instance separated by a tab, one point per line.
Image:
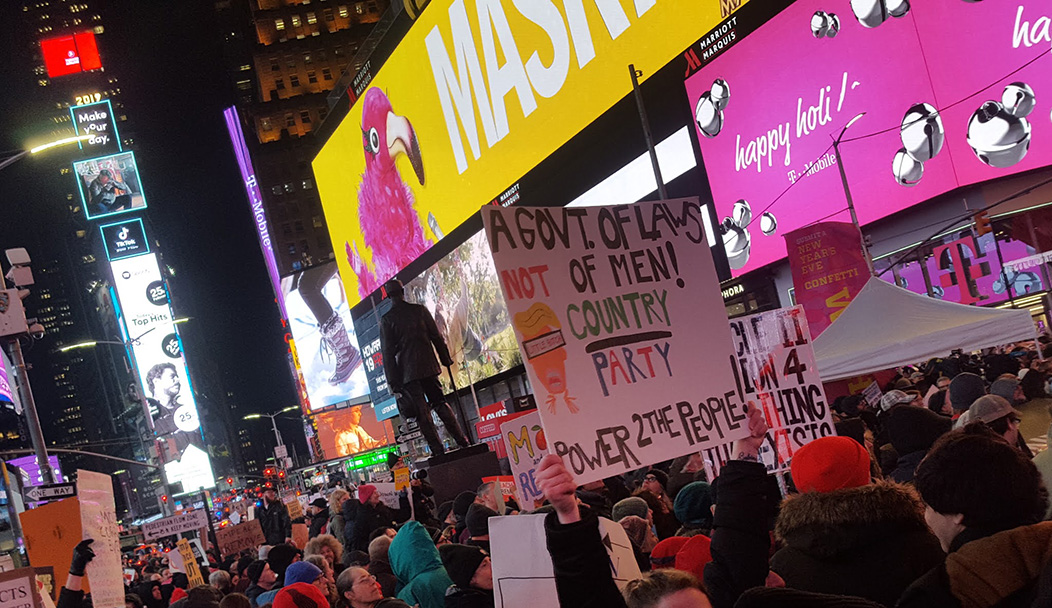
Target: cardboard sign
872	394
292	503
51	531
183	522
190	567
523	576
619	317
98	520
235	539
526	445
774	368
18	589
300	535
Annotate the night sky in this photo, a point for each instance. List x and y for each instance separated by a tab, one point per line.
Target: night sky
168	57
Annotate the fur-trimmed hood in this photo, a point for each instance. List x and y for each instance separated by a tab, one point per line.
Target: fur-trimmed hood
828	524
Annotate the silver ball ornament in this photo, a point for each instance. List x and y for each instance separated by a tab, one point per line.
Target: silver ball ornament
897	8
922	132
768	223
825	25
741	213
708	116
908	171
720	93
736	243
870	13
1018	99
998	138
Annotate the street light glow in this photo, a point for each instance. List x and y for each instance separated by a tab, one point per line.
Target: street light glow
271	416
65	349
60	142
252	417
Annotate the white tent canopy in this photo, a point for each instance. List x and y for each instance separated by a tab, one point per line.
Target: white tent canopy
886	326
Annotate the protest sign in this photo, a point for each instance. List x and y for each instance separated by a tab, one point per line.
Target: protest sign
872	394
774	368
388	493
526	445
523	576
190	566
234	539
50	532
293	504
98	520
183	522
618	313
18	589
300	535
401	478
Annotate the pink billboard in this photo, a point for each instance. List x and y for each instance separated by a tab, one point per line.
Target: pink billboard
953	93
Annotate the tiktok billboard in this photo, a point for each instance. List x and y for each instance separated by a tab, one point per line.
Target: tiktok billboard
939	95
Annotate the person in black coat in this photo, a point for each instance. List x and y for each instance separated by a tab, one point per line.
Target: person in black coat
368	513
274	518
409	339
471	572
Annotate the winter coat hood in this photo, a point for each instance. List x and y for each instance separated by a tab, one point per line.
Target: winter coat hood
415	561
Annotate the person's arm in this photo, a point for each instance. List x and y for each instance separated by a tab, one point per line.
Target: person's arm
405	511
437	340
745	502
581	563
72	593
286	521
390	360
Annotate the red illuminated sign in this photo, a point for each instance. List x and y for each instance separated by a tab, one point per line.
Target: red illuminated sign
70	54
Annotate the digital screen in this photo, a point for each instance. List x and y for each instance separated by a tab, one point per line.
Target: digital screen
320	321
255	200
125	239
5	381
437	133
352	430
70	54
158	356
97	120
767	107
30	470
110	185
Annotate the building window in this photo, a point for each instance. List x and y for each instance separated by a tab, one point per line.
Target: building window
279	84
318	222
277	190
307	184
326	73
286	229
312	77
295	21
299	226
305	116
307	59
359	7
343	11
292	249
290	61
265	124
328	15
312	18
274	67
290	120
289	188
294	80
279	23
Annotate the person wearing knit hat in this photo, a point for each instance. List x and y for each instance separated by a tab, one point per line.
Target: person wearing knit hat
477	521
262	579
846	536
368	513
642	537
693	555
965	388
303	572
280	558
445	513
365	492
633	505
654	483
461	504
693	508
912	431
300	595
664	553
471	571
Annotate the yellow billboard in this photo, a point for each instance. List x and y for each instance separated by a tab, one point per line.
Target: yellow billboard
477	94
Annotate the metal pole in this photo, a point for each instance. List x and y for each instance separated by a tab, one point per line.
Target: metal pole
277	435
851	205
646	130
36	435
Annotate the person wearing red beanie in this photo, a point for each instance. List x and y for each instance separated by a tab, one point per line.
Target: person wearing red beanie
365	492
842	534
300	595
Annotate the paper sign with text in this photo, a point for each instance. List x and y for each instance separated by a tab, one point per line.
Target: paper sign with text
18	589
294	506
774	368
98	520
183	522
526	445
234	539
389	496
190	567
620	320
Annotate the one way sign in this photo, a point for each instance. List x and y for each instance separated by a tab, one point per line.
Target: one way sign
58	490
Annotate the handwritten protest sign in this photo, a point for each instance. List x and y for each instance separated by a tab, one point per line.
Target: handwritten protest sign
526	445
294	506
18	589
234	539
98	520
523	575
774	367
619	318
388	493
183	522
190	566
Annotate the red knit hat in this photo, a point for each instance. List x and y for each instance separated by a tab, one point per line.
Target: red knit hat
693	556
177	594
664	553
300	595
830	463
365	492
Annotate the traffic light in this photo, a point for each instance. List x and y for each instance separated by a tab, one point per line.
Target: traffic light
230	481
982	223
281	474
164	498
268	472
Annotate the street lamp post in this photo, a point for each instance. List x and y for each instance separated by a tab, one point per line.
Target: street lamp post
273	420
847	190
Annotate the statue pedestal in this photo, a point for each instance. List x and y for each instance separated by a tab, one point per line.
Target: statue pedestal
460	470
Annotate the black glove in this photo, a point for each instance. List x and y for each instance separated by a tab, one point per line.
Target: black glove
82	554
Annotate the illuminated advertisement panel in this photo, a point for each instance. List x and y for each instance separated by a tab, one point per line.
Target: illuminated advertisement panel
125	239
438	133
158	359
97	120
70	54
255	200
30	470
110	185
767	107
349	431
327	349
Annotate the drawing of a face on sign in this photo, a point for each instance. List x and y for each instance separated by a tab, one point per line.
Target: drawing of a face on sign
542	339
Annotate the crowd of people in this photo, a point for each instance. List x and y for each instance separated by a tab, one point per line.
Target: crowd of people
928	497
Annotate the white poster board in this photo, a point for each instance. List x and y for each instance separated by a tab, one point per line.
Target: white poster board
523	575
526	445
188	521
774	368
98	520
389	496
620	321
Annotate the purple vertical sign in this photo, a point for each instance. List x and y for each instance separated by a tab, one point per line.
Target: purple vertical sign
5	384
255	199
